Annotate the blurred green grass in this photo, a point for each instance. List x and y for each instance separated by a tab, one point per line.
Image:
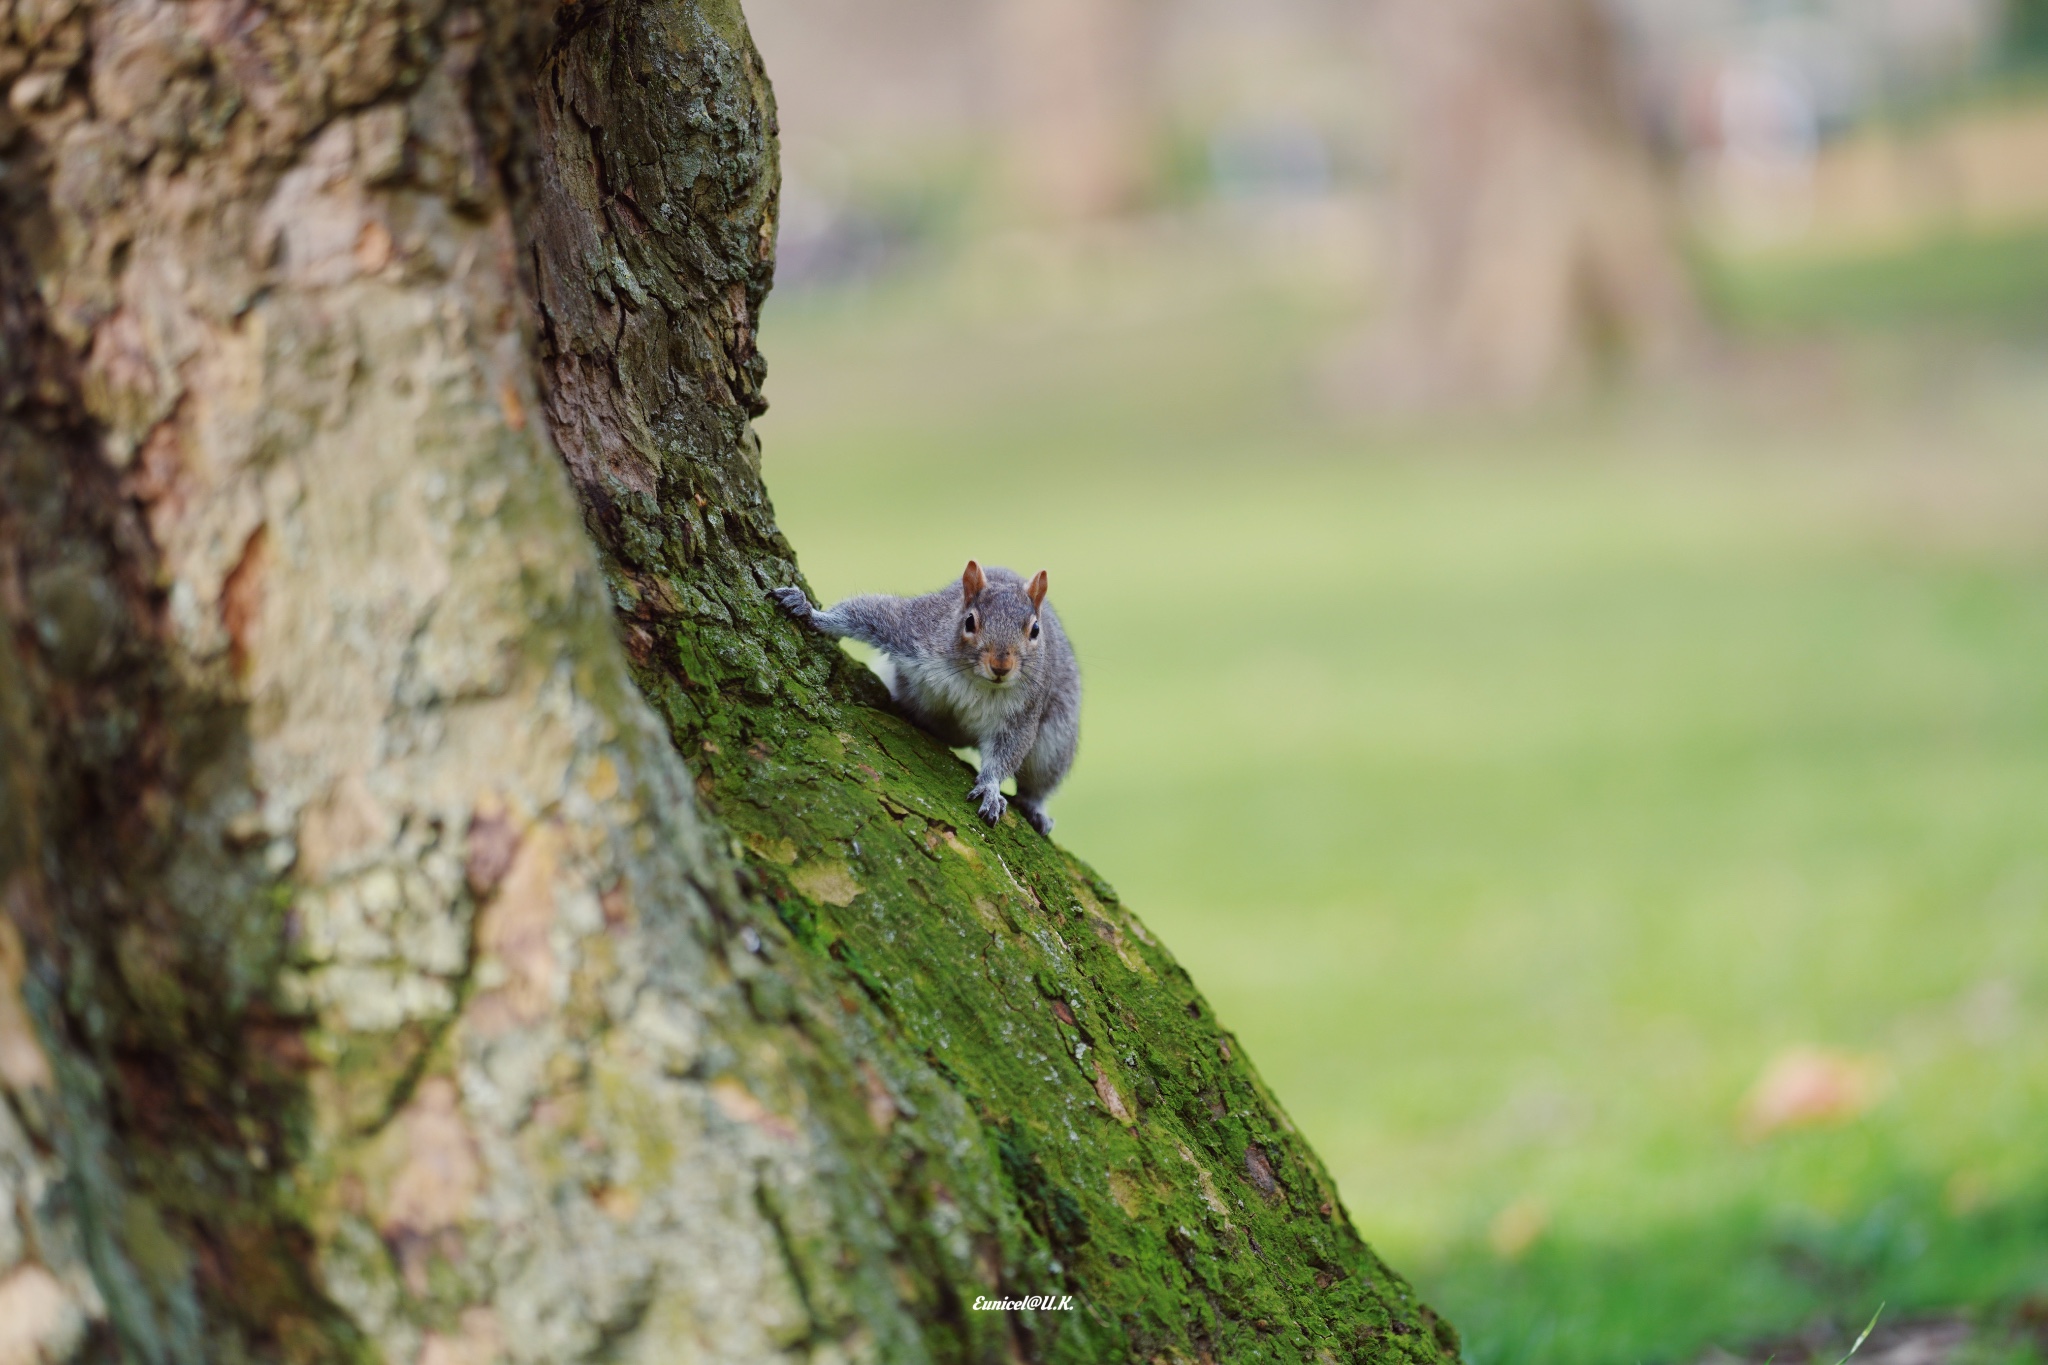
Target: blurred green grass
1518	791
1983	279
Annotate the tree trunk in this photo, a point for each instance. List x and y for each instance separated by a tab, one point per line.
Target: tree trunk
450	916
1534	242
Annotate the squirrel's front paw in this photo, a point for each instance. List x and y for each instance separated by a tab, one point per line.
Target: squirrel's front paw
990	797
794	602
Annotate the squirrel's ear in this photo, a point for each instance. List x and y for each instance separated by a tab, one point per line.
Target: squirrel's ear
972	581
1037	591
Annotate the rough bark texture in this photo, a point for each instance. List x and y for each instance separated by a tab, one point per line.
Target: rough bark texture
1534	242
450	916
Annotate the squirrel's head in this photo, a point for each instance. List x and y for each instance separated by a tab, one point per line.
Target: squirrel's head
1000	634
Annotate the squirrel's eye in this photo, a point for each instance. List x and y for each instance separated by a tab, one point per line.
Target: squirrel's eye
968	624
1034	630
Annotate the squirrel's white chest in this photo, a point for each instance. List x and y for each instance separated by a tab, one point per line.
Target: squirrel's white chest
940	687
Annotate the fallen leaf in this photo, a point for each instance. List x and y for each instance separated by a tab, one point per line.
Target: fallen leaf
1517	1227
1805	1087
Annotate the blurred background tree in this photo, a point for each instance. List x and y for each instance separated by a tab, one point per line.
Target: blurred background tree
1074	106
1533	239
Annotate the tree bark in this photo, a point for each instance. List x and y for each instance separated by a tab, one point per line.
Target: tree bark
451	917
1535	244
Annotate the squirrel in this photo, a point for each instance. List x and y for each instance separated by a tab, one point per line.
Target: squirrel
981	663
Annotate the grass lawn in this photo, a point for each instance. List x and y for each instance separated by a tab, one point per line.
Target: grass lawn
1519	792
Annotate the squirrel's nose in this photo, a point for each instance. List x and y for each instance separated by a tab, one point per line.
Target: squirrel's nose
1001	665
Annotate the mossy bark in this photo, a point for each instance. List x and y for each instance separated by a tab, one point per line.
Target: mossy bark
451	916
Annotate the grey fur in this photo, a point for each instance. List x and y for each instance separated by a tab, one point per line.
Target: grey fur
946	680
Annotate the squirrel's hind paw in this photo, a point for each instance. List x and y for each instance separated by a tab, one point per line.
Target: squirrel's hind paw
1035	813
794	602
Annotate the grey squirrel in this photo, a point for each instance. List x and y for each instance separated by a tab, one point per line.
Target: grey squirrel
983	663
